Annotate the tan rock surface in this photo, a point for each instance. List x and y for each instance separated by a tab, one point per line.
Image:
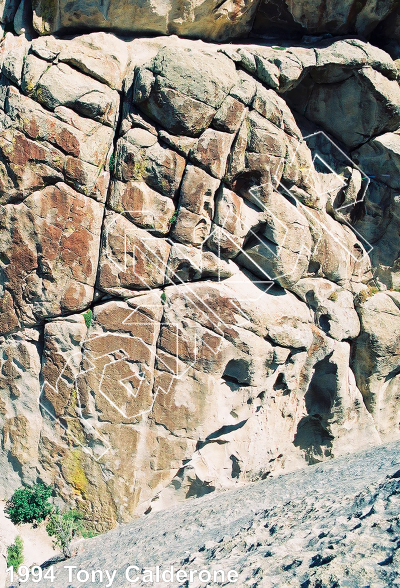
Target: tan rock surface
185	264
205	19
376	360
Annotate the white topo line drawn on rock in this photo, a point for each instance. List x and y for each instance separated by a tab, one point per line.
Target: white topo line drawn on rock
118	357
106	369
366	246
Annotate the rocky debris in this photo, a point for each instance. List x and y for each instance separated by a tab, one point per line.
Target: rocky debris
188	261
334	524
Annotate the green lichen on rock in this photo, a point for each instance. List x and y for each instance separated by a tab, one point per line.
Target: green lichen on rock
75	473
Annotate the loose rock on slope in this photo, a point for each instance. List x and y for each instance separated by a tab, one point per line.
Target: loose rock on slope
332	525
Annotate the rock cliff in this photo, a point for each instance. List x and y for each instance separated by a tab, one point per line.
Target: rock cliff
199	246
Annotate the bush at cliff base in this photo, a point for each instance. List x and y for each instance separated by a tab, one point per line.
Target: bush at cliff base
30	504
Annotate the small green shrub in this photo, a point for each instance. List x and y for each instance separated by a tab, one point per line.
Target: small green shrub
279	48
333	297
366	294
111	164
173	218
88	533
88	316
30	504
15	553
163	297
64	527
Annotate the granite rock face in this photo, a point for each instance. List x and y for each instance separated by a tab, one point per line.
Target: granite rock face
317	16
191	250
207	19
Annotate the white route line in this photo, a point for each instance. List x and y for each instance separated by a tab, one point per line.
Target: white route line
218	324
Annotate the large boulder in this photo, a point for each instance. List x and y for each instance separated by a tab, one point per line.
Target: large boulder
376	359
182	88
340	113
317	16
346	86
177	387
207	19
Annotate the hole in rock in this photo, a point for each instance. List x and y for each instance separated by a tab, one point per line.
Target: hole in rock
323	388
312	435
245	181
237	374
358	251
310	298
235	467
198	488
324	323
314	267
281	385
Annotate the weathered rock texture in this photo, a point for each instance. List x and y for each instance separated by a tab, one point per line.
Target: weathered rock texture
207	19
332	525
189	264
321	16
